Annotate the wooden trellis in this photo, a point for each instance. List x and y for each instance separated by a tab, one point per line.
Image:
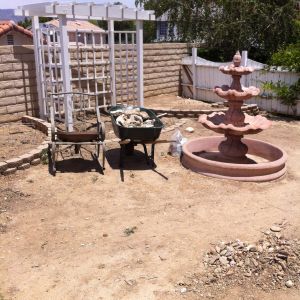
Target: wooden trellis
108	69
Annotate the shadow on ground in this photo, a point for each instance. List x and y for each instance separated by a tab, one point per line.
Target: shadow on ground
78	165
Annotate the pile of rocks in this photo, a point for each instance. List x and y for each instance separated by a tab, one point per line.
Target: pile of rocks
133	118
271	263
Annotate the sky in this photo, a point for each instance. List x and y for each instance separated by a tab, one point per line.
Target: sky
14	3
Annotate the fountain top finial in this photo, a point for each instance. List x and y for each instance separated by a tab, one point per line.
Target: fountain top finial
237	59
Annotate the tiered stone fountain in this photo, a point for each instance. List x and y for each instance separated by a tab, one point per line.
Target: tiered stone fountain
233	156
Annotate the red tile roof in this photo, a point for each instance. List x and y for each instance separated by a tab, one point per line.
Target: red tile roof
6	26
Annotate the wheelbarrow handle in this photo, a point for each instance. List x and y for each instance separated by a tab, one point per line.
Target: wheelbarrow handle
161	115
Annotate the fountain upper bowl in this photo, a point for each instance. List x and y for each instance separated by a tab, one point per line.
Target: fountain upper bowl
226	92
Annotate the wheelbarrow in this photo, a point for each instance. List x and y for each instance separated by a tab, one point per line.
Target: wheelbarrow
132	136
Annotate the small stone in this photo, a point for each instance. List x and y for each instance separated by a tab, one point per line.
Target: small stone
248	274
232	263
27	158
3	166
183	290
240	263
189	129
213	259
14	162
255	263
9	171
218	270
36	161
275	228
251	248
247	261
223	260
260	249
24	166
223	252
222	245
289	283
218	249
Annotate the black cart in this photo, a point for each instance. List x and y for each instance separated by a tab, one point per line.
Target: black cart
131	136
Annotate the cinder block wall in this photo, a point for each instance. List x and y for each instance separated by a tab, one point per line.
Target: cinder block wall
18	92
162	64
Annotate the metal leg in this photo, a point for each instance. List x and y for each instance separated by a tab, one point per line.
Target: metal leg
152	153
121	156
51	158
98	149
103	156
146	153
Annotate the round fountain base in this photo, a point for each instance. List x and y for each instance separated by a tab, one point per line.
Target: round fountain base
263	162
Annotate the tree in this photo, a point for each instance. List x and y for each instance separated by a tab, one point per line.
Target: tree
27	21
224	26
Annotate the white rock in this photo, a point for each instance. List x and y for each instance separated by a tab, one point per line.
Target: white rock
223	260
183	290
289	283
190	129
251	248
275	228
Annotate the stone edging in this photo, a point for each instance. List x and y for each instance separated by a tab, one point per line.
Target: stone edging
31	158
194	113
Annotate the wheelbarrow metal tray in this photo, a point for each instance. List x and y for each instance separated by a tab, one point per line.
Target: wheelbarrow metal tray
78	137
137	134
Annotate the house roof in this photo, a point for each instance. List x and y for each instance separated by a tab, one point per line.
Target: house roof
73	25
6	26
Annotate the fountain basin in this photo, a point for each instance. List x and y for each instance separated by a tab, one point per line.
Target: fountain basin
265	161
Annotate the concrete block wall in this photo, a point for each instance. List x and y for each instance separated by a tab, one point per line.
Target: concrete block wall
18	91
162	64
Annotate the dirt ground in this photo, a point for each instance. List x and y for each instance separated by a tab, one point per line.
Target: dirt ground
175	102
83	235
17	139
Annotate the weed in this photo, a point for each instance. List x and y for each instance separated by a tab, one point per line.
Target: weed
130	230
44	156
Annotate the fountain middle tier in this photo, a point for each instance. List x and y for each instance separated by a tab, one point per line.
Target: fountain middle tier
232	94
218	122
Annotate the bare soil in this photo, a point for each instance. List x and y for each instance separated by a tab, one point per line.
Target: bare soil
175	102
83	235
17	139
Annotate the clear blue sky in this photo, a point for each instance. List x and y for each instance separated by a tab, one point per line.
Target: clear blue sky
15	3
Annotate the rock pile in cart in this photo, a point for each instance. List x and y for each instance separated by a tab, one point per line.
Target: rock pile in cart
133	118
271	263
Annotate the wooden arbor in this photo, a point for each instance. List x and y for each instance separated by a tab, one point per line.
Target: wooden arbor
106	66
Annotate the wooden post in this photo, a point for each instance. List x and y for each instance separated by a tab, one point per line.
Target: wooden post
111	43
66	73
38	69
194	70
140	63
